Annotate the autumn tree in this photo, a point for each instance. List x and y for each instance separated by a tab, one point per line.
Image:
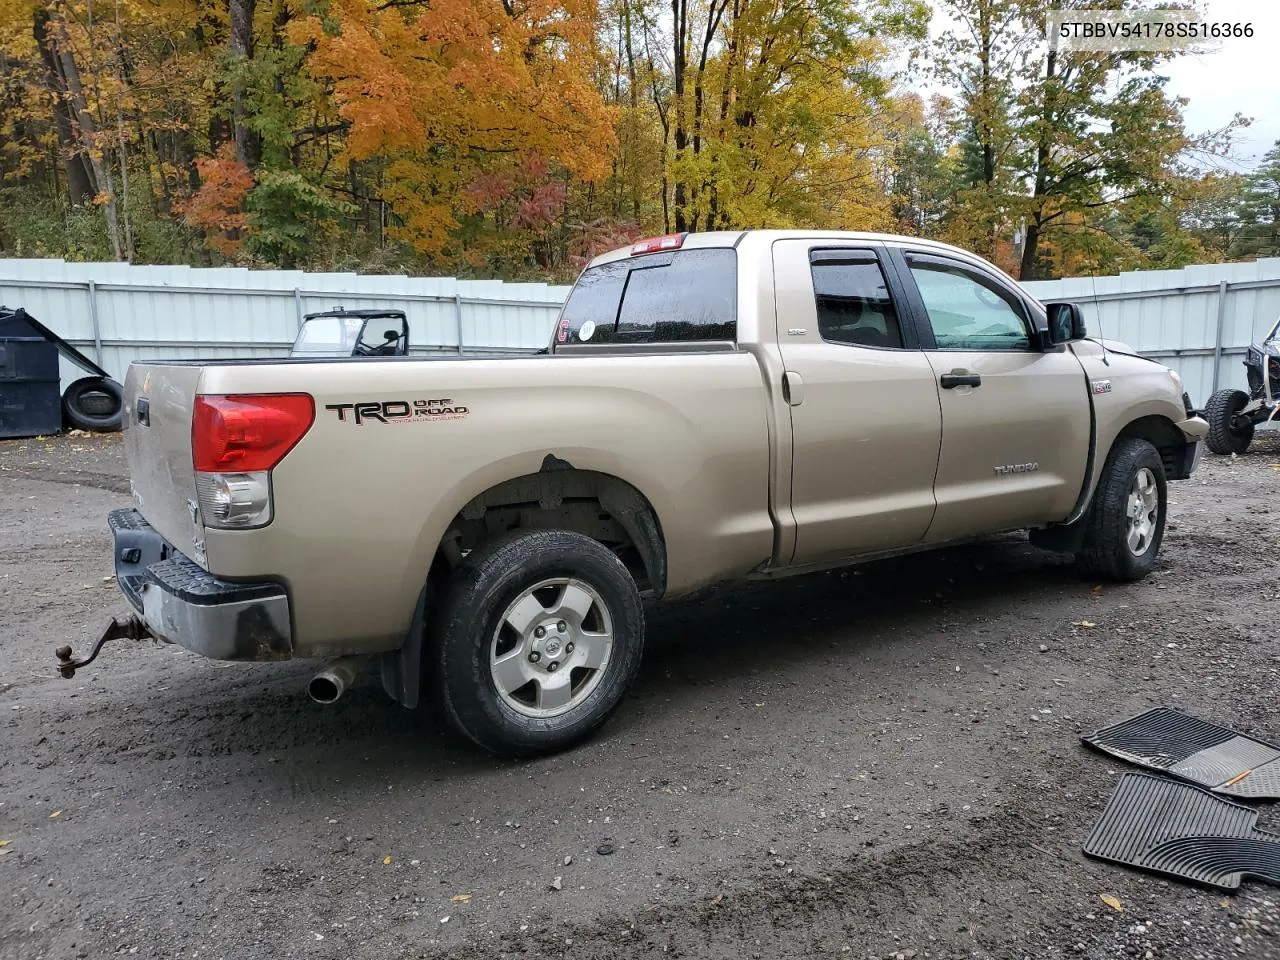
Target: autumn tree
460	97
1099	129
923	169
981	57
505	138
771	109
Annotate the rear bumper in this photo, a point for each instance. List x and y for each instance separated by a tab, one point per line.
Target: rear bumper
185	604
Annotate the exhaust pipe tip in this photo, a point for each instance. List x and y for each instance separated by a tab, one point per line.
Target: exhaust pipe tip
325	688
332	682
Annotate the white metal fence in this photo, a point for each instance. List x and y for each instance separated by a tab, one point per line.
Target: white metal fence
1198	320
117	313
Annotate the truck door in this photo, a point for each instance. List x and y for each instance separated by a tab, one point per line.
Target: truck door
1016	421
866	427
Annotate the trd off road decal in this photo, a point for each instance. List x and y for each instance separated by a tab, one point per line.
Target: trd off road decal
398	411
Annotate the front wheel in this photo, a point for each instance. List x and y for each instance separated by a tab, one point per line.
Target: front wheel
539	636
1126	521
1224	437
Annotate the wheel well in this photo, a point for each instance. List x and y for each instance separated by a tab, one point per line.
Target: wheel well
1165	437
561	497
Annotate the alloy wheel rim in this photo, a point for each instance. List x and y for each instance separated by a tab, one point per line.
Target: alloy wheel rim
551	647
1142	509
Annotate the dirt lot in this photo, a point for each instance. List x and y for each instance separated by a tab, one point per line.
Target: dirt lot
864	764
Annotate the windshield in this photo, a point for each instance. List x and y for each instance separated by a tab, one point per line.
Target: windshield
329	336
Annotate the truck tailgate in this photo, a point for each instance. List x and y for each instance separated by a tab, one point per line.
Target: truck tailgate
158	403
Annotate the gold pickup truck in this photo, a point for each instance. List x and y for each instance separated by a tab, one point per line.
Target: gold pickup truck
711	406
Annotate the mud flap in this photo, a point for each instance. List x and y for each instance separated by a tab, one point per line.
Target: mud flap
1061	537
402	669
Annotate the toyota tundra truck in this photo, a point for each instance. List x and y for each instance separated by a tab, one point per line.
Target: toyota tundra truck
485	531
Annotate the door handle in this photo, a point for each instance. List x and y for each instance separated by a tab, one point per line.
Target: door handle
956	378
793	388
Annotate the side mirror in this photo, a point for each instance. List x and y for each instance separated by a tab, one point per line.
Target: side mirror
1066	323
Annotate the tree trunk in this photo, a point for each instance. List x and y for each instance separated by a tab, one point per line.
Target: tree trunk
248	143
985	134
80	185
634	97
1030	266
680	199
86	131
124	188
1030	251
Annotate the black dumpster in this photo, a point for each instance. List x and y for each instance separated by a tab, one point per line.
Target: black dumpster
95	402
30	394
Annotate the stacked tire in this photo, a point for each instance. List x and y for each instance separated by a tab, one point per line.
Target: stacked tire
94	404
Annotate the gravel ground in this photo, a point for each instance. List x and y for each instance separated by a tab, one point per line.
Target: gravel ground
880	763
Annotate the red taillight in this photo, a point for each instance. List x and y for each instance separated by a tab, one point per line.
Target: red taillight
670	241
247	432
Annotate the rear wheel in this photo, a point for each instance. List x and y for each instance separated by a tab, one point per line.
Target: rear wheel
1220	411
1126	521
539	636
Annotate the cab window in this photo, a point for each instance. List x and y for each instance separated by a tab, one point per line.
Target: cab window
968	311
852	299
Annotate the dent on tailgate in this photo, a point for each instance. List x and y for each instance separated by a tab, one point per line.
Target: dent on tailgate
158	447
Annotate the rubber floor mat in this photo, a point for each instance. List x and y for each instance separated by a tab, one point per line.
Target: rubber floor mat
1180	830
1195	750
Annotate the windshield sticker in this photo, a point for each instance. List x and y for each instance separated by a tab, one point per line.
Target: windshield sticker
587	330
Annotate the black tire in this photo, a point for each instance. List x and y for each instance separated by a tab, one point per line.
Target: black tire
1222	438
95	404
466	632
1106	550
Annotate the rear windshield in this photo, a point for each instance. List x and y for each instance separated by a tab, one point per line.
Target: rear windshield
677	297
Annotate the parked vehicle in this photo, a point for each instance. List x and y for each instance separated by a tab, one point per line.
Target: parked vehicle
352	333
712	406
1233	414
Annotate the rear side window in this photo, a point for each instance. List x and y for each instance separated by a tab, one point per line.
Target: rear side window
678	297
853	300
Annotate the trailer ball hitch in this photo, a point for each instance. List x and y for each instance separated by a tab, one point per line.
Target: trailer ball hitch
131	628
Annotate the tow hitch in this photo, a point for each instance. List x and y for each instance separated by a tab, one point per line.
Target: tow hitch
132	628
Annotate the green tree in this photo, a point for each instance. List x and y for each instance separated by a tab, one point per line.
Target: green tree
1258	210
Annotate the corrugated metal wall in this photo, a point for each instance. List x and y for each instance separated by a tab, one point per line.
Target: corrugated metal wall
1198	320
117	313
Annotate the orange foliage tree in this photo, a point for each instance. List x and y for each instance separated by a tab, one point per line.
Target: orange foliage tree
476	109
217	208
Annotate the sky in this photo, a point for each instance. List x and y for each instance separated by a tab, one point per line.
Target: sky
1241	76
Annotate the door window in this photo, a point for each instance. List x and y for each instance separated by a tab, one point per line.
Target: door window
853	300
968	311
